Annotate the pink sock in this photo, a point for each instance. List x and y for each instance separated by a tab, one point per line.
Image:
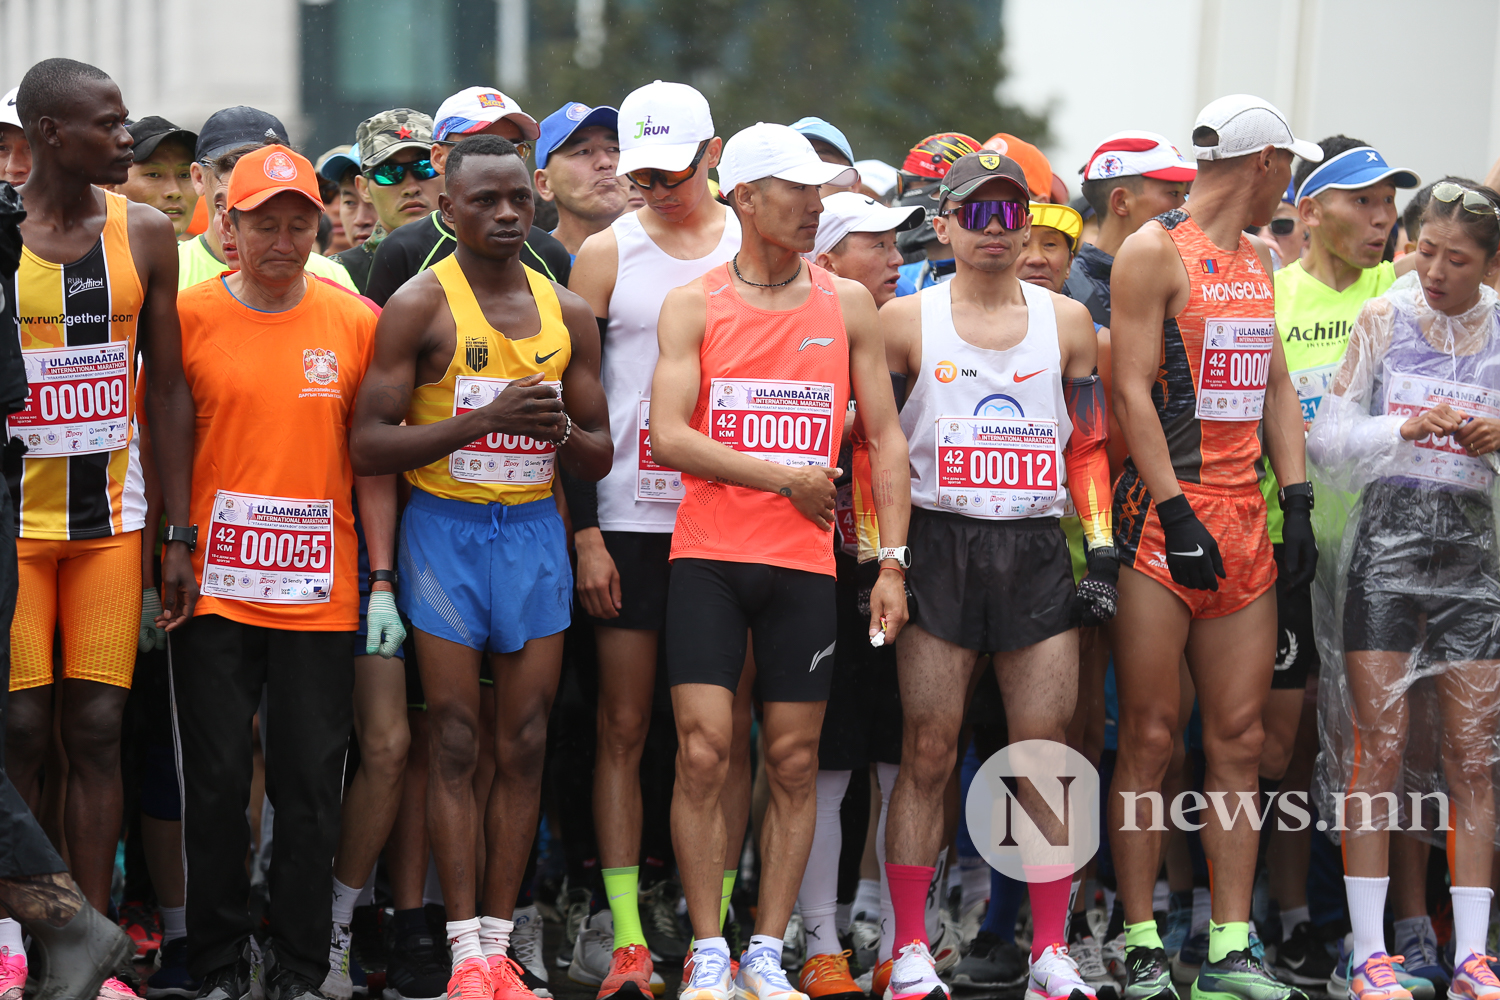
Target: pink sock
1049	887
909	901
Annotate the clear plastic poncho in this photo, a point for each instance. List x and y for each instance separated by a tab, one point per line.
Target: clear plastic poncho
1407	603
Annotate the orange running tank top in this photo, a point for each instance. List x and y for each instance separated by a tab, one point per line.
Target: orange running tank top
1216	355
774	385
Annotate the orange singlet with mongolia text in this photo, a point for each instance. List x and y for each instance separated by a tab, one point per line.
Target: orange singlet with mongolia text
774	385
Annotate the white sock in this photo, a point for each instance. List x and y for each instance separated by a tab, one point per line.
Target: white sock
764	942
867	899
1367	915
173	923
1202	910
1291	918
494	935
1109	903
463	940
1471	919
974	882
841	917
1073	888
10	937
343	902
819	893
1159	895
885	774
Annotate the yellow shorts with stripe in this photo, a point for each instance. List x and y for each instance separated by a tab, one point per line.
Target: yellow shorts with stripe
91	588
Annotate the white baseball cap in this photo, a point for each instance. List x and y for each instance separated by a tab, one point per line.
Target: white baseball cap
1138	154
475	109
8	114
878	175
1243	124
769	150
661	126
849	212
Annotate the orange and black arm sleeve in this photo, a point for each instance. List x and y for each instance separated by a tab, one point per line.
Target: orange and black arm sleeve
1088	462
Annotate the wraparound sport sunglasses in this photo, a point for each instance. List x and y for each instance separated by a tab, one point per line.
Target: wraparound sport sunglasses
390	174
648	177
976	215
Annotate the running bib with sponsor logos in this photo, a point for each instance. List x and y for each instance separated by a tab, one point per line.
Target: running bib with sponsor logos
1312	385
79	400
789	423
1236	365
653	483
996	467
1440	458
498	458
270	550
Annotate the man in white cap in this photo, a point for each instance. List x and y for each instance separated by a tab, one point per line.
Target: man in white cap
1200	380
623	531
857	239
758	362
15	152
1131	177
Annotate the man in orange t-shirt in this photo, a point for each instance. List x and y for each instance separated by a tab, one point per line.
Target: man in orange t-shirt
274	357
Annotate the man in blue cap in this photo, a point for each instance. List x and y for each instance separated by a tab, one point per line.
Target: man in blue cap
831	146
576	158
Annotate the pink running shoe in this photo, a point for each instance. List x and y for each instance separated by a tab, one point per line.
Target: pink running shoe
12	974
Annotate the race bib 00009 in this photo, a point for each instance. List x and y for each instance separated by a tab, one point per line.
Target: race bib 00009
78	402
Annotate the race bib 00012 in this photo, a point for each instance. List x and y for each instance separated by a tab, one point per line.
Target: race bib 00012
498	458
78	402
996	467
789	423
1235	366
269	550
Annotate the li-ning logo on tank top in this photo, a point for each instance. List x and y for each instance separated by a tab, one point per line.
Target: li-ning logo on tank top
476	352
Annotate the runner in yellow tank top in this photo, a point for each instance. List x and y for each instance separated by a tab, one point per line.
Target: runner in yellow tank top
93	266
483	555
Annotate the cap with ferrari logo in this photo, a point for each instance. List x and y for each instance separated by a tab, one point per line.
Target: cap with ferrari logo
382	136
969	172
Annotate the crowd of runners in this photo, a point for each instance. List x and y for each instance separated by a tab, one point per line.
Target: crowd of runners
386	561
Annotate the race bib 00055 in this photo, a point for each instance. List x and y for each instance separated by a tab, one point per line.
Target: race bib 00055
270	550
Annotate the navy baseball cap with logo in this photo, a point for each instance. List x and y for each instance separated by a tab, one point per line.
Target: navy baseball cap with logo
562	123
238	126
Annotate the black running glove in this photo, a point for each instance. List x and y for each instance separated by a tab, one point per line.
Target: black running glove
1098	598
1192	554
1298	561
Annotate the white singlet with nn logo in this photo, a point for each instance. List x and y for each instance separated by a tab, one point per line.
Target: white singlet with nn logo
629	498
986	429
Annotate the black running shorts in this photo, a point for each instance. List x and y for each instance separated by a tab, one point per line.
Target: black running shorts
789	613
641	560
990	586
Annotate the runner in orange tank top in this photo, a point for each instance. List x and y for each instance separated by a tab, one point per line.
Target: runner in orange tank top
1199	380
758	361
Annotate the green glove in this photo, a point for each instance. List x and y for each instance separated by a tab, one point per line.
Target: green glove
386	633
153	636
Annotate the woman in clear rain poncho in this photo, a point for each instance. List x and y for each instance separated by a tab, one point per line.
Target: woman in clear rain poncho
1412	424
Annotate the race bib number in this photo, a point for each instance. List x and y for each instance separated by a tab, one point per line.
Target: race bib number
269	550
1440	458
653	483
789	423
1236	363
996	468
844	520
1312	385
498	458
78	402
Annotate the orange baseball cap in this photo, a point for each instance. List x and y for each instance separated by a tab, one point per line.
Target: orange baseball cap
269	171
1033	161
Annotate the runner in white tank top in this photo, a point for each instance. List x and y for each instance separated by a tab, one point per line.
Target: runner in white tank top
623	534
1004	413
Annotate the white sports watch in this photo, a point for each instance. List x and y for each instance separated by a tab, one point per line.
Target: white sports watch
901	555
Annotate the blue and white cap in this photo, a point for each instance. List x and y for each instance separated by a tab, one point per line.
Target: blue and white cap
562	123
1353	169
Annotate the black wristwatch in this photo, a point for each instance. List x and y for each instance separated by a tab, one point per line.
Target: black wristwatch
1296	490
179	533
382	576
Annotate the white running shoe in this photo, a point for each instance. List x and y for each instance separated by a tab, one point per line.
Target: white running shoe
794	950
1055	976
1089	958
338	985
762	978
526	946
914	975
710	979
593	950
945	947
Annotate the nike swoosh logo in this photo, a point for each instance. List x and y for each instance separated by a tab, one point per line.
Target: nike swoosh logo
818	341
821	656
1197	551
619	895
543	359
1021	378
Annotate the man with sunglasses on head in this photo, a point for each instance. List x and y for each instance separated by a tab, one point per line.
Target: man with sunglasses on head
1202	396
1000	372
622	530
411	249
396	177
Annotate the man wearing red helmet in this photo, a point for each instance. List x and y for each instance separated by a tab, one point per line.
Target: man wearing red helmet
924	168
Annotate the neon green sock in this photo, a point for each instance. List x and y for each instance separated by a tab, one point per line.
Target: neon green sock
730	874
1142	935
622	885
1224	938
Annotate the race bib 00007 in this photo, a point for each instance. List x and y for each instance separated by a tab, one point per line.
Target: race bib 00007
789	423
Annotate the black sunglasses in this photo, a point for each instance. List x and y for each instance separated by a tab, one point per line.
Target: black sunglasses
1283	227
648	177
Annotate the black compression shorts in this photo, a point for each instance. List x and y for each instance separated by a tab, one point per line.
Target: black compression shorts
641	559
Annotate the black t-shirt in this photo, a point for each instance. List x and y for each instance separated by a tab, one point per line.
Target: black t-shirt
417	246
356	261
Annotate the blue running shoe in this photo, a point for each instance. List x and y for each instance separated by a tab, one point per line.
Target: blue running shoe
1190	958
171	978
